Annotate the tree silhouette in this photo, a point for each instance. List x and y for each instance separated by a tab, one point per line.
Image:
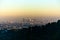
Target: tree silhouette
50	31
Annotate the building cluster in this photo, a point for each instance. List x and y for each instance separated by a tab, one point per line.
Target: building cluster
25	23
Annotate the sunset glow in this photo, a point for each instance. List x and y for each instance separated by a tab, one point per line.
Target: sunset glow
29	8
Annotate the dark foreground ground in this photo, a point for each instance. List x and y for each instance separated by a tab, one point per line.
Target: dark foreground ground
50	31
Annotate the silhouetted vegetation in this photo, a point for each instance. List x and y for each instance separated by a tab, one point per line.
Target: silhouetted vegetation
50	31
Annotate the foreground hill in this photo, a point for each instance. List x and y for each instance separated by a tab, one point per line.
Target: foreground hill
50	31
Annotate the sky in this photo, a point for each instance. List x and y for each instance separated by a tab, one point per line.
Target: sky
29	8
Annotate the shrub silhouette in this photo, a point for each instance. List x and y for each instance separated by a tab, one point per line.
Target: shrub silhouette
50	31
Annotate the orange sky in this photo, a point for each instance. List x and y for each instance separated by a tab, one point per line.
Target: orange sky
29	8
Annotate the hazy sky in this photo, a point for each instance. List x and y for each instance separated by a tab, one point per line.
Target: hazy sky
29	8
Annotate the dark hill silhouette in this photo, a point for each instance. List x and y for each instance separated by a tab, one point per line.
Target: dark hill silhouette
50	31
